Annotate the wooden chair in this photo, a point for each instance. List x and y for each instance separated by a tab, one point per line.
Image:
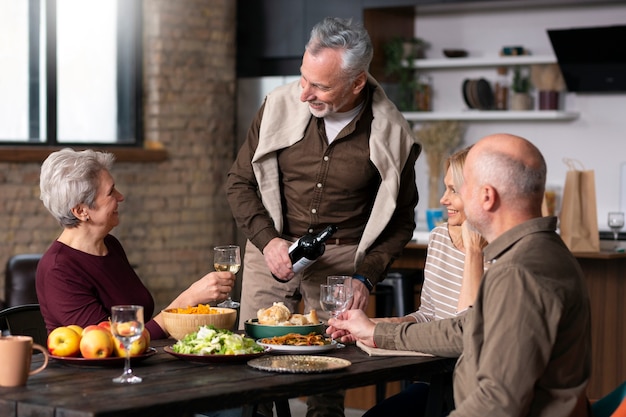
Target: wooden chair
24	320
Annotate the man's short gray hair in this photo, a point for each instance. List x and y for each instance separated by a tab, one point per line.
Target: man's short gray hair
352	38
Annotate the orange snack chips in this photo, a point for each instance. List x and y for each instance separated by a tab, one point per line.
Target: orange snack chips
199	309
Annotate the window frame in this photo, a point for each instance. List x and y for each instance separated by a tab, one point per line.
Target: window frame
129	88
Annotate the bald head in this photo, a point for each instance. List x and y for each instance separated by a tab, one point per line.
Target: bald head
505	180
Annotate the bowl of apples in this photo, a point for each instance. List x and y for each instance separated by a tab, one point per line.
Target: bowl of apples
180	322
94	345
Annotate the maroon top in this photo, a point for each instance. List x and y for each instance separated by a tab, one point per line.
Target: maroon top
74	287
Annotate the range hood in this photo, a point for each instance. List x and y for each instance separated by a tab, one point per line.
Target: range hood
592	59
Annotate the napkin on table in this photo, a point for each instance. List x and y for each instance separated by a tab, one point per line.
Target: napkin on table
389	352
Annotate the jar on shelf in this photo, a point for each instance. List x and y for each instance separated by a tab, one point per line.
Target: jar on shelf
501	93
423	93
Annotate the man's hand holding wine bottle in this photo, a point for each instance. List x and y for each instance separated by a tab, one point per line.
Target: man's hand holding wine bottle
284	260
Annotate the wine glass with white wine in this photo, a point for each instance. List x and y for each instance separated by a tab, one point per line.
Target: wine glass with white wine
227	258
616	223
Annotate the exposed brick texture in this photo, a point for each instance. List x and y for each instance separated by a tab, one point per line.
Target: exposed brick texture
175	211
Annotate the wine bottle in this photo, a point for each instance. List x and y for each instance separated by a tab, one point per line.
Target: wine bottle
306	250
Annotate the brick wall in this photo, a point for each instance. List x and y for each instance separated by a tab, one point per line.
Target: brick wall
175	211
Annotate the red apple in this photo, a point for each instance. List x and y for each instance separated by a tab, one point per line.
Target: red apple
63	341
106	324
90	328
96	343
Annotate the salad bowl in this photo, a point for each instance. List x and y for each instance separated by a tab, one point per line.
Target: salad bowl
209	344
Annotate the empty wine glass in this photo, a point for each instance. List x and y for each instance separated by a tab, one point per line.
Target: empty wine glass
345	280
227	258
616	223
127	326
333	298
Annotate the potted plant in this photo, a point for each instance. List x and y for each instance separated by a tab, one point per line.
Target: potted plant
399	55
520	100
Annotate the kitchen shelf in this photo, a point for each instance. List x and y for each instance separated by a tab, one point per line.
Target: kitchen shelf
495	61
492	115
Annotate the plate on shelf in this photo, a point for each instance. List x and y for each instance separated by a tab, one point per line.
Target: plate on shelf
484	94
301	349
465	91
299	364
113	361
214	358
473	94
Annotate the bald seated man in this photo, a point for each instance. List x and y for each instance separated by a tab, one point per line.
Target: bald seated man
524	348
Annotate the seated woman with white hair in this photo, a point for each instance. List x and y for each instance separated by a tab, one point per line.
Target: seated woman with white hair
85	271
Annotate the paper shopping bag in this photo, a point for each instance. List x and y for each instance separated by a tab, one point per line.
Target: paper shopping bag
578	217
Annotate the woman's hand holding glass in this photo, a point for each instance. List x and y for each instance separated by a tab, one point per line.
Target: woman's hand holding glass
227	258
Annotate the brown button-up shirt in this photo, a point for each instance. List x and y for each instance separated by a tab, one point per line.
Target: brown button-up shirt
325	184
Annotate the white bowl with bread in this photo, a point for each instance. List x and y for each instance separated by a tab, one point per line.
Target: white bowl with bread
278	320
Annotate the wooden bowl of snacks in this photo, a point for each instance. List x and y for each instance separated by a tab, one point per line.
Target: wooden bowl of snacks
180	322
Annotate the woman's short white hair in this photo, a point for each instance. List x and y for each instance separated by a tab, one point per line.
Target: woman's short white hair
69	178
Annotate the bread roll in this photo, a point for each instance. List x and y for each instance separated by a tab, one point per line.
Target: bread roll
274	315
301	319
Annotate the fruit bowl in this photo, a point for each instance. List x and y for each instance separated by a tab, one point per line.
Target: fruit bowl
259	331
178	325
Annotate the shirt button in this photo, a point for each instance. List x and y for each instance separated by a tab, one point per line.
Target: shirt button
326	158
310	230
313	211
319	185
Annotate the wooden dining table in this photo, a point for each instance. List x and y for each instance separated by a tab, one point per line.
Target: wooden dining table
175	387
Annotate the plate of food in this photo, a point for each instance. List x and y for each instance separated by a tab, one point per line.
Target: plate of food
298	343
111	361
214	357
209	344
299	364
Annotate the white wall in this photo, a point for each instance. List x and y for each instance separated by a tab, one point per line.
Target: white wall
597	138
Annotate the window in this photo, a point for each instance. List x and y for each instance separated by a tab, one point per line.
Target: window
71	72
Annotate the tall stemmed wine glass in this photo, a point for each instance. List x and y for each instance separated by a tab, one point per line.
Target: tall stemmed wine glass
346	281
334	298
227	258
616	222
127	326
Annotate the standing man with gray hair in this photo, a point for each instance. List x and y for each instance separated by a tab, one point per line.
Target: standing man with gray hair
328	149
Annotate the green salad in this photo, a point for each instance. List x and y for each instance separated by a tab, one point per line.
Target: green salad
211	341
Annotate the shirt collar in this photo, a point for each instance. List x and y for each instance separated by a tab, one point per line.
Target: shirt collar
502	243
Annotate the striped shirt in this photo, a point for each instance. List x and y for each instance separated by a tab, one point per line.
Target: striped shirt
443	275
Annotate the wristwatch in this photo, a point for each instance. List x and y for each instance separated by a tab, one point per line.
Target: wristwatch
365	281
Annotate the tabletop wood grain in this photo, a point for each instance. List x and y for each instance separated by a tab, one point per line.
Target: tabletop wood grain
173	387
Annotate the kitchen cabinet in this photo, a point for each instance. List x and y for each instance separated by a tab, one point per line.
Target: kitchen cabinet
429	65
271	34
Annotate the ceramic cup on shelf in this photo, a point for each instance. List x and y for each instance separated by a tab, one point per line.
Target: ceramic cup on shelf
548	100
15	358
